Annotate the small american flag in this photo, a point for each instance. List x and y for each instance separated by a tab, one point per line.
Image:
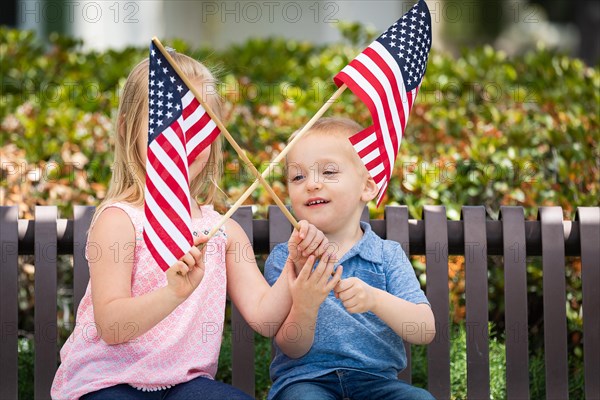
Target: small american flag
387	76
179	129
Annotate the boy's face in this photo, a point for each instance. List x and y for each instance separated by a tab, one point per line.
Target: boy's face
327	184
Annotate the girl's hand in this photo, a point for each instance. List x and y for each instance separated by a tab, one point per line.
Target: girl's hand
304	241
356	295
186	274
311	287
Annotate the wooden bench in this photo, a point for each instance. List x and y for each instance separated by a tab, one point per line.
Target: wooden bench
435	237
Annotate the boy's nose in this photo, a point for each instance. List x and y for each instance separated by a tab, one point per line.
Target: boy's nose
313	184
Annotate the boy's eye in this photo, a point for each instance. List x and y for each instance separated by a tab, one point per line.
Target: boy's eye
330	173
297	178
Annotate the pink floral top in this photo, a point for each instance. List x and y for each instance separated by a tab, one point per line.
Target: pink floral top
181	347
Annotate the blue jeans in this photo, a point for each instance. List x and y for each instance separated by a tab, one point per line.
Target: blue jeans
197	389
352	385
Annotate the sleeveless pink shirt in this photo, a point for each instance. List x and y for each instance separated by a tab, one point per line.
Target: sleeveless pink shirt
181	347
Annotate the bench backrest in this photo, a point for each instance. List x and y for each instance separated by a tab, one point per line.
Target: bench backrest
435	237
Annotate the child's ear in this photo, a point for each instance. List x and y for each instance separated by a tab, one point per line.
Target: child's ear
370	190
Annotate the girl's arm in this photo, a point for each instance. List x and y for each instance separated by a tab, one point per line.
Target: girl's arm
118	316
264	307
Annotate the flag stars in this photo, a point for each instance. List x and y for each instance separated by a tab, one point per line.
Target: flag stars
177	107
169	95
165	70
393	44
172	79
179	88
161	84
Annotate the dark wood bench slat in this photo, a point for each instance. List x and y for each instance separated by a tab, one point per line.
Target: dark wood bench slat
515	303
476	292
589	225
9	308
554	293
82	216
396	226
242	338
436	249
46	355
280	228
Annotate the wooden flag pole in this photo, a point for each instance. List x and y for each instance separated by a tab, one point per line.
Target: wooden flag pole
230	139
279	157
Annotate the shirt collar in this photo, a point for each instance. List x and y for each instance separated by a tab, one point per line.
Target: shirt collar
369	247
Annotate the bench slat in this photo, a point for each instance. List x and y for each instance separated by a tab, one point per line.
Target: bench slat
82	217
46	356
476	292
589	226
280	228
438	351
9	309
396	225
242	337
554	289
515	303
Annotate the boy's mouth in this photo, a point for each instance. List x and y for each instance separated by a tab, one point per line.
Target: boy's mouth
315	202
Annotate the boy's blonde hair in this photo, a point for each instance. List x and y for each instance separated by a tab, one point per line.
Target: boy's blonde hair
336	126
129	168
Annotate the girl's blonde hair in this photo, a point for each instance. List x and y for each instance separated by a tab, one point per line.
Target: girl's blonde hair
131	133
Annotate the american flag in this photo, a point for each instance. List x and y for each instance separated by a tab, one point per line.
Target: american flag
387	76
179	129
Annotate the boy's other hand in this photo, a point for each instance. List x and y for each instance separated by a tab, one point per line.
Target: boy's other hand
356	296
305	241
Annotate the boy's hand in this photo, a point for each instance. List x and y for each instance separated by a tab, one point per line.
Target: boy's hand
304	241
356	295
186	274
311	287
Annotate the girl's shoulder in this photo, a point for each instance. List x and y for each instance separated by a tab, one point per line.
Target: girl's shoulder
133	212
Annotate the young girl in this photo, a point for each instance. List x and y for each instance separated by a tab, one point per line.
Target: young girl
142	333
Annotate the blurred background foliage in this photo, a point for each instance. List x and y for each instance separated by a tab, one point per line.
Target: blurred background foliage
486	129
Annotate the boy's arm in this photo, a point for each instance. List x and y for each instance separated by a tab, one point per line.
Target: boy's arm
402	305
412	322
309	289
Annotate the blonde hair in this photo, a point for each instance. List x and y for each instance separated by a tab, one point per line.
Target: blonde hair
332	126
128	178
336	126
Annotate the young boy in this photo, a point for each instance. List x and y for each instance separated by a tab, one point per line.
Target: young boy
345	343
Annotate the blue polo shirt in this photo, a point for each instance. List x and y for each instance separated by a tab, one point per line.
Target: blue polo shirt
350	341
